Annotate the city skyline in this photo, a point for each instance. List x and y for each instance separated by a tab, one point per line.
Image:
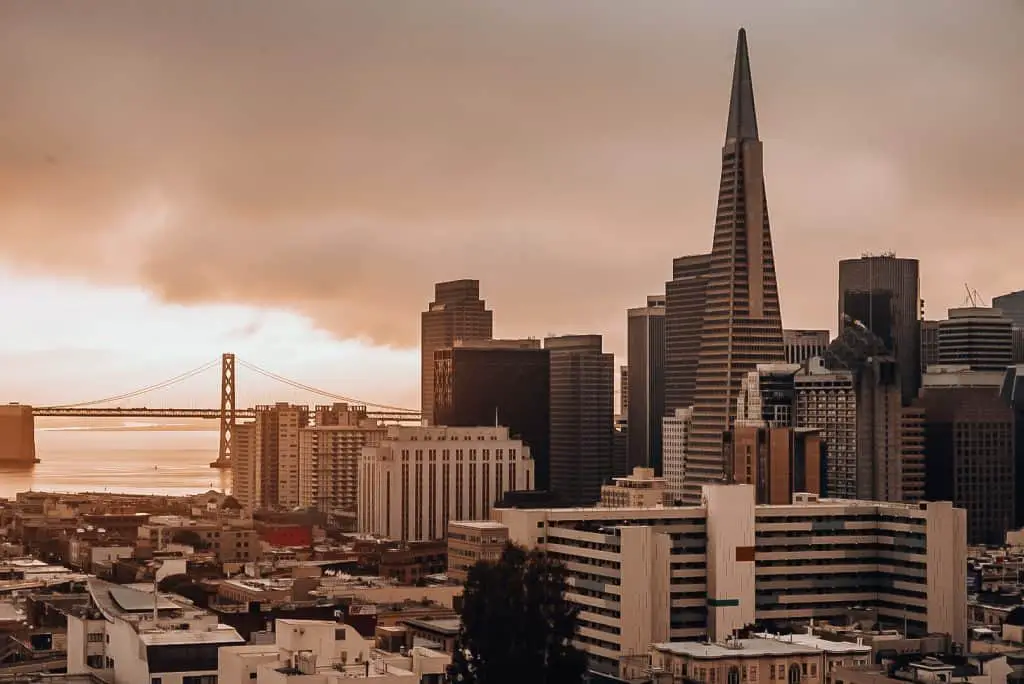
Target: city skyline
129	199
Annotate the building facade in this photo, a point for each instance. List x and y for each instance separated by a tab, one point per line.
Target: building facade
623	390
675	432
645	350
498	382
582	404
977	337
417	479
641	489
472	541
685	299
742	320
778	461
654	575
802	345
266	465
883	292
457	313
971	449
329	458
929	344
1012	306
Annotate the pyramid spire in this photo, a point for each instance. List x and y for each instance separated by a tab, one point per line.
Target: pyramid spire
742	117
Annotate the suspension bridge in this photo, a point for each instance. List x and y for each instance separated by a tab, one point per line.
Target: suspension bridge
228	413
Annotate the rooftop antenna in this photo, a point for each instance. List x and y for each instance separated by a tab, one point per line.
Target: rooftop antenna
496	424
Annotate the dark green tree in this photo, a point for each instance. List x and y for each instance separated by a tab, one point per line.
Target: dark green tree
517	625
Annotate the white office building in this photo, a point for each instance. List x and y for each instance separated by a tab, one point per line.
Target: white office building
675	431
329	463
653	575
418	478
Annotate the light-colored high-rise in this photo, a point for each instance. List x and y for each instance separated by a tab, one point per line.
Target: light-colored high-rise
978	337
650	575
802	345
416	479
265	468
675	440
641	489
742	324
329	458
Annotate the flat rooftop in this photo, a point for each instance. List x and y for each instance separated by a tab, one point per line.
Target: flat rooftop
479	524
739	648
819	643
447	626
173	637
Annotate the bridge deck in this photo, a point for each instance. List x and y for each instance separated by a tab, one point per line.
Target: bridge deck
212	414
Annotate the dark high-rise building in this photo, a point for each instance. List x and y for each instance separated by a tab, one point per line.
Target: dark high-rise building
582	417
742	322
497	382
801	345
457	313
624	390
884	293
978	337
778	461
929	344
1012	306
684	317
970	449
1012	393
645	342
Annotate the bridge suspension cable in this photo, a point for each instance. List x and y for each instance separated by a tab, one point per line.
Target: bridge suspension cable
143	390
323	393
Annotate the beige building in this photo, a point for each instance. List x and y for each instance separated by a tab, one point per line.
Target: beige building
639	490
471	541
675	438
653	575
419	478
329	458
793	659
265	467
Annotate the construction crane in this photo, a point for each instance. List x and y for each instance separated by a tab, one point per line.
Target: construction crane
973	299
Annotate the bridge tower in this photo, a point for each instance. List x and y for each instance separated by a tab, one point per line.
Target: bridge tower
227	412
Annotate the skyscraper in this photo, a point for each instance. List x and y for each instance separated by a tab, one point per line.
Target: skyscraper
498	383
742	324
884	293
1012	306
802	345
979	337
645	351
684	316
582	420
457	313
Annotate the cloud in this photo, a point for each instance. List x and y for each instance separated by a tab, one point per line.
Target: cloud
337	158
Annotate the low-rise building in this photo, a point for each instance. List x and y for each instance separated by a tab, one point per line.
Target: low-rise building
472	541
641	489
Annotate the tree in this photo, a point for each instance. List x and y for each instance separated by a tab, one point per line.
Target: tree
517	625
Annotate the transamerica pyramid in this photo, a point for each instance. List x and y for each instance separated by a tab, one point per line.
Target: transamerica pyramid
742	324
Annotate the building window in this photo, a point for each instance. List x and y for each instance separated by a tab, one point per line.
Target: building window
734	675
794	674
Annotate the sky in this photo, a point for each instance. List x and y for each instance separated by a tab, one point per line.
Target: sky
286	180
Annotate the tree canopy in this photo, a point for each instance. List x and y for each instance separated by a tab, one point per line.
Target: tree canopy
517	625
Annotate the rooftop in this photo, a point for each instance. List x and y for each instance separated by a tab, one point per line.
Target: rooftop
479	524
222	634
448	626
819	643
737	648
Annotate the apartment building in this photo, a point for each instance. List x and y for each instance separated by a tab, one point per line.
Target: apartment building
675	431
418	478
653	575
265	467
329	458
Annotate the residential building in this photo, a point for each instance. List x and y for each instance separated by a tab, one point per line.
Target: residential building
266	460
827	400
326	652
417	479
970	448
1012	306
472	541
742	321
684	318
17	434
778	461
457	313
498	382
126	636
883	292
247	468
639	490
675	430
582	398
329	458
802	345
229	543
977	337
653	575
645	349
